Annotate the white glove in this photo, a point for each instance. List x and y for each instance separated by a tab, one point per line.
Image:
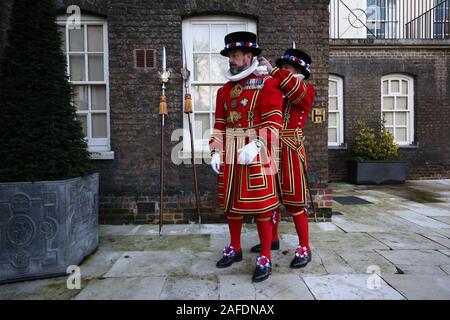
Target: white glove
248	153
215	162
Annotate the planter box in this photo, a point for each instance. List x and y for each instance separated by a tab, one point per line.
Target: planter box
377	172
47	226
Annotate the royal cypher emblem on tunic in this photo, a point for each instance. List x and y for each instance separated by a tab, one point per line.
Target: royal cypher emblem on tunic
234	116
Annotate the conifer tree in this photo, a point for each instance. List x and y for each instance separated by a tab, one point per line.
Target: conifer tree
40	138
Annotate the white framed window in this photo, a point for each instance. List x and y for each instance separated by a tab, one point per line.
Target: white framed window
397	107
382	19
86	50
203	38
335	111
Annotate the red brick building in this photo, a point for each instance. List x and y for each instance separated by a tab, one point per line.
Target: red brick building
114	59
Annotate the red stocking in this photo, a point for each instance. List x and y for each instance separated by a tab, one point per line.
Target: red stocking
235	226
264	224
301	225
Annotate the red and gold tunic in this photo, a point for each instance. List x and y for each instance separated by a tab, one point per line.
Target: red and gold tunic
246	110
297	103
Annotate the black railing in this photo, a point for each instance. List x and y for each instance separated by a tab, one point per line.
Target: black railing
390	19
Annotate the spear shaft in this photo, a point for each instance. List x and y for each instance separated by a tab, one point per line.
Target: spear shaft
164	76
188	110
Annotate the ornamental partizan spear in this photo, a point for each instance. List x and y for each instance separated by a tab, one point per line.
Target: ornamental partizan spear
185	73
164	76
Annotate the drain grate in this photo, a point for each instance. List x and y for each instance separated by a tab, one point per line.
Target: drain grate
350	200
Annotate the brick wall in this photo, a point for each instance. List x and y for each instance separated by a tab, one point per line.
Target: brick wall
133	175
363	65
5	11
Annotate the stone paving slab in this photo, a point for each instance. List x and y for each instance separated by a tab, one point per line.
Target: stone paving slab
189	288
356	241
421	270
445	220
364	261
349	287
151	263
421	287
122	243
277	287
147	288
405	241
45	289
420	219
446	269
443	241
443	232
446	252
99	263
415	257
366	224
332	263
429	210
183	229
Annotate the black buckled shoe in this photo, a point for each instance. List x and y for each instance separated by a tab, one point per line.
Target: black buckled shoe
229	257
301	259
263	269
273	246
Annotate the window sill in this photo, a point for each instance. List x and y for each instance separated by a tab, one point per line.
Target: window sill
409	146
341	147
102	155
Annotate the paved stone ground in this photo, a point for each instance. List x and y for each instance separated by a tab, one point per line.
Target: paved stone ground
397	247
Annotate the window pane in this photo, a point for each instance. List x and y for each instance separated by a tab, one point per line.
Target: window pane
77	68
214	96
388	103
332	88
201	125
332	135
219	66
400	118
98	97
81	97
76	39
200	96
389	118
95	38
332	119
385	87
218	32
201	67
332	103
83	120
402	103
96	68
99	126
237	27
400	134
395	86
200	35
404	87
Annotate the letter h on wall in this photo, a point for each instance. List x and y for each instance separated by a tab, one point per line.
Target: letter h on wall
318	115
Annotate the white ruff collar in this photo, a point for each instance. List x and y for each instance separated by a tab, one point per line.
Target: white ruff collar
244	74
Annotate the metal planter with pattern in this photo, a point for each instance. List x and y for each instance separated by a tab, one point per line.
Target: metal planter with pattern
47	226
